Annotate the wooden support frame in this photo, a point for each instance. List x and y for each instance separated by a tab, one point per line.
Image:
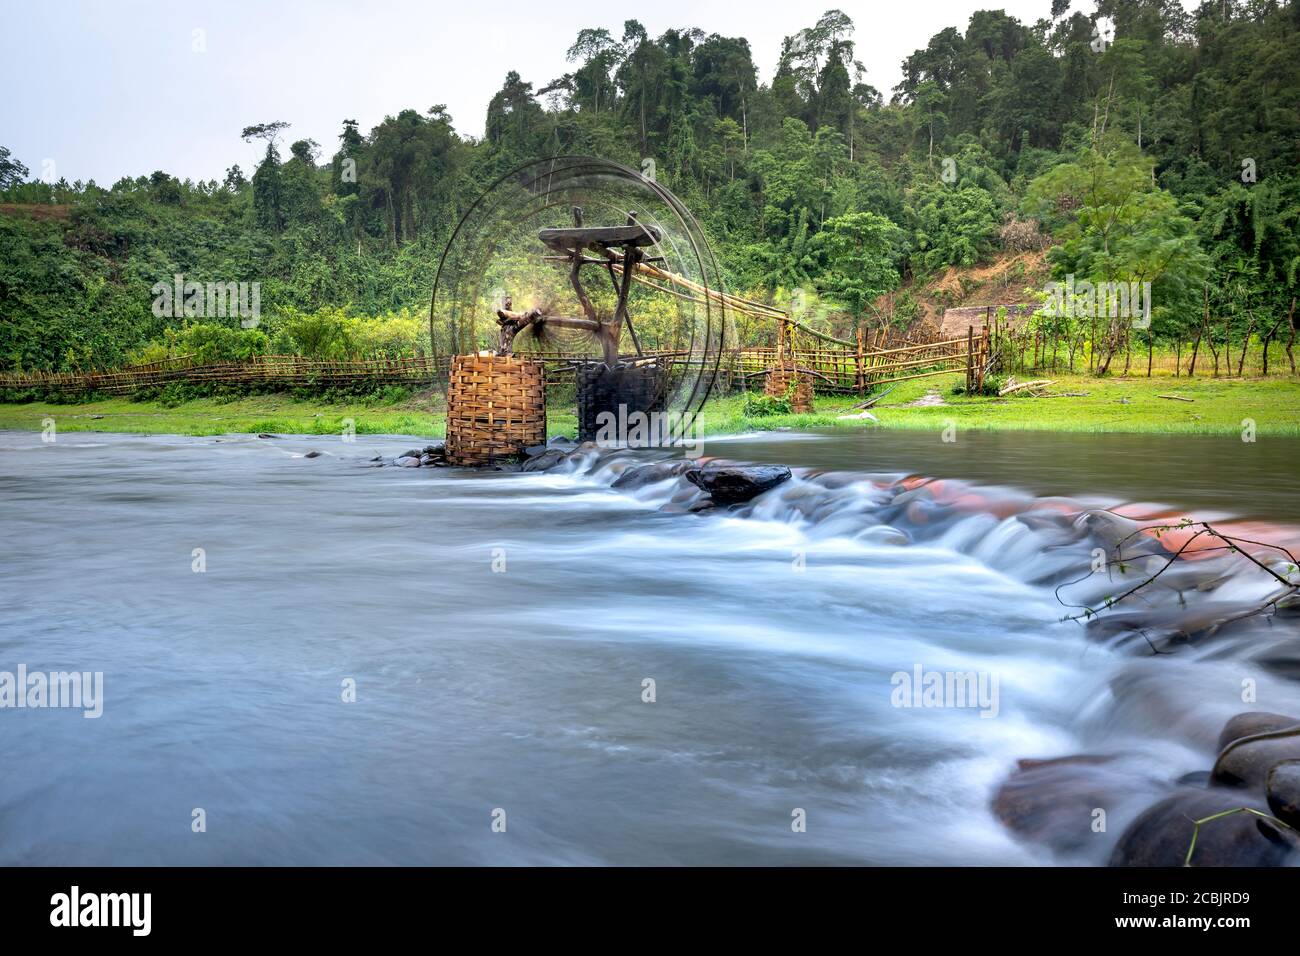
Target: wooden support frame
571	246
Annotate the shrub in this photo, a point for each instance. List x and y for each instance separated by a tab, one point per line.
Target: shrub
763	406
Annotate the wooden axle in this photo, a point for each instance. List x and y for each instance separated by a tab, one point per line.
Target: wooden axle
573	244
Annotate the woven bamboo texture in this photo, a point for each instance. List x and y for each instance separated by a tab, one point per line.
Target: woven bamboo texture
496	407
637	388
779	381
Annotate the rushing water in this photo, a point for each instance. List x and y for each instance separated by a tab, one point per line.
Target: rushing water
500	627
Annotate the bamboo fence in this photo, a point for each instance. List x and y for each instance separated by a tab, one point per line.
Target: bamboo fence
833	369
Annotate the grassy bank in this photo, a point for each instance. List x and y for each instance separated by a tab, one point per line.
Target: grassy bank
1074	404
1079	404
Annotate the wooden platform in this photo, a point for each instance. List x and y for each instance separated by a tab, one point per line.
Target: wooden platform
581	237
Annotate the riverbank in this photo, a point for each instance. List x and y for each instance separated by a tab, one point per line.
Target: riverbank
1074	404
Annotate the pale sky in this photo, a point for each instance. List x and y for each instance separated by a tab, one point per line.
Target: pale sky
104	90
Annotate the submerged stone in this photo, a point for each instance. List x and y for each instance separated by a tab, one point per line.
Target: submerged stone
544	461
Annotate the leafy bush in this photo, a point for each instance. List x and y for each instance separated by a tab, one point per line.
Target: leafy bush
992	385
763	406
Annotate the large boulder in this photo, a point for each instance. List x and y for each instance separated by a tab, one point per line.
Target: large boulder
1162	835
1054	802
1252	744
1251	723
735	484
1283	790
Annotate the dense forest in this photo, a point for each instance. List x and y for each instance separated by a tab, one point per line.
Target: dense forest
1164	150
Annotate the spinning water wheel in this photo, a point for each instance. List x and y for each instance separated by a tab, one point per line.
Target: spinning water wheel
614	249
519	291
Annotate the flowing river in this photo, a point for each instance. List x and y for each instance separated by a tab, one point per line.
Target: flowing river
502	634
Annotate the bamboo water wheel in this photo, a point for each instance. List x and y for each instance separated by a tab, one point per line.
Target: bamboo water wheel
591	273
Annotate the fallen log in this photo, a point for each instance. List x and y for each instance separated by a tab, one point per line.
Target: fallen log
875	398
1020	386
1176	398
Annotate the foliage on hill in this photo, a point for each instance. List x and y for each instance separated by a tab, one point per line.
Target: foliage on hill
1167	153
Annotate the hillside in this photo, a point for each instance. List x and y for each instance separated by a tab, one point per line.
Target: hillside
961	293
1004	138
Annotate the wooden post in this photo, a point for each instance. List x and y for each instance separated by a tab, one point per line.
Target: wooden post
970	358
861	382
983	361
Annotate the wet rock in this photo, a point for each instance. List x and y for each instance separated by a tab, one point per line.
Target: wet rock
1246	759
312	454
1112	530
561	441
264	435
1284	662
1052	802
437	449
1171	626
1251	723
549	458
638	476
428	461
701	506
1283	790
1162	834
532	451
735	484
410	453
408	461
377	458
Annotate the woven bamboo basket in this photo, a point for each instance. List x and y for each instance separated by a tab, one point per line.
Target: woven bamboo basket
778	386
496	407
638	386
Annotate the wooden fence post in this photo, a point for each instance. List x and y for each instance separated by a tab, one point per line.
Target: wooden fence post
970	358
861	382
983	362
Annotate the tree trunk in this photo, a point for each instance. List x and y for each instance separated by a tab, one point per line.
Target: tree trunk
1245	344
1290	317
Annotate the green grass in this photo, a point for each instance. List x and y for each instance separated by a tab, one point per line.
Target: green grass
1218	407
218	416
1110	405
